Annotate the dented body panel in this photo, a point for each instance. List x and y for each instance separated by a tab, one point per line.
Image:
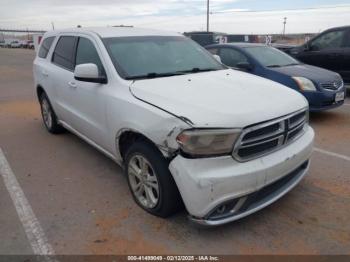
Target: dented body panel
205	183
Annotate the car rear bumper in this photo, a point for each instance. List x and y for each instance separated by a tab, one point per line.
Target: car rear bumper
206	184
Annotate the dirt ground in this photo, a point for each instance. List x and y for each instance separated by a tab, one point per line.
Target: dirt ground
82	201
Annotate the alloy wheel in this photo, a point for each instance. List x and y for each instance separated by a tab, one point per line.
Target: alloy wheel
143	181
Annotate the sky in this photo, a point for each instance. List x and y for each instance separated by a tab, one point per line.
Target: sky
230	16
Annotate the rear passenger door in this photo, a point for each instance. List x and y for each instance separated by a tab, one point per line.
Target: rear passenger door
62	77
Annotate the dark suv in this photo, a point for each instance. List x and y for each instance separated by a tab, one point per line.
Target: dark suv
330	50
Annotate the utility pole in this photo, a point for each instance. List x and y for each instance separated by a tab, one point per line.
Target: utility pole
53	26
284	25
207	15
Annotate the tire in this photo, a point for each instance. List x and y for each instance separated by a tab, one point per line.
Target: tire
168	199
49	116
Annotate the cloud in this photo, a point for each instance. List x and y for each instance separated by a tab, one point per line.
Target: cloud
178	15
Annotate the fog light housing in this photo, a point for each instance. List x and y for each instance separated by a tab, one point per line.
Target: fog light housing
223	210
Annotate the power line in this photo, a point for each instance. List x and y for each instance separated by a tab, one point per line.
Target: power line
280	10
246	11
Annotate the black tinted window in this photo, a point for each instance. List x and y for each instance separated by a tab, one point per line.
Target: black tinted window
45	47
87	53
328	40
64	52
231	57
347	39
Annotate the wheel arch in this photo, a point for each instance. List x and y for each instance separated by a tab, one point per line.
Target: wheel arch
126	137
39	91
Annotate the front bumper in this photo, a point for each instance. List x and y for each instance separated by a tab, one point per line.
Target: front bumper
323	100
205	184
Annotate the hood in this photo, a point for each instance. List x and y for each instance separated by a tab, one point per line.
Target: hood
316	74
224	98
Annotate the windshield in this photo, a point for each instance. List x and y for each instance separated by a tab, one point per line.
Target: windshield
271	57
158	56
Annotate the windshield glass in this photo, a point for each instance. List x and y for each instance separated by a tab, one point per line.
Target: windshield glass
271	57
157	56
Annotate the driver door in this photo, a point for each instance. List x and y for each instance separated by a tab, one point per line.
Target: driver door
325	51
89	99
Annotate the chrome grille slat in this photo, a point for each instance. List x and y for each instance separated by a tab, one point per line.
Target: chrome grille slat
296	123
260	139
335	85
244	145
279	131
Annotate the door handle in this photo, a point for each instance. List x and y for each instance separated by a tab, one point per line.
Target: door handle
72	84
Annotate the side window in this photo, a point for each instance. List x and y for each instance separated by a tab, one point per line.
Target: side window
231	57
329	40
87	53
214	51
45	47
64	52
347	40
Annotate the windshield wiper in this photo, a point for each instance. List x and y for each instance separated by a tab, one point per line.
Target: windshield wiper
153	75
292	64
197	70
274	66
182	72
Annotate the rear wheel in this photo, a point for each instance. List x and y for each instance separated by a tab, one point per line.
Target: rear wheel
150	180
49	116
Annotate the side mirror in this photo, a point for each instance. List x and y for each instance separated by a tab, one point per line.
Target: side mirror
89	73
217	58
245	66
312	47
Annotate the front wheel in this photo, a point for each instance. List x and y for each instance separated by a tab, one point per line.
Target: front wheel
150	181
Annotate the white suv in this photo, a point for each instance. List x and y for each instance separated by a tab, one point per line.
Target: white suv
186	129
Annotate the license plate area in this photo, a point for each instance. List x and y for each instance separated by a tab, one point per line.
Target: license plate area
339	97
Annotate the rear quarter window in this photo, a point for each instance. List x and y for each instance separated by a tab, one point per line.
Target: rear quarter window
45	47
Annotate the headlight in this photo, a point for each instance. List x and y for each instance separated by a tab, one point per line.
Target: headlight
304	83
207	142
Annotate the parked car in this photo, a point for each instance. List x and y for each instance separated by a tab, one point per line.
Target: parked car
30	45
15	44
330	50
322	88
24	43
2	44
185	127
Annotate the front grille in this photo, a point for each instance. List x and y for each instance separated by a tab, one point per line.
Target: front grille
335	85
261	139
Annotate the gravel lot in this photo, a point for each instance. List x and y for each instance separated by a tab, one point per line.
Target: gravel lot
83	204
